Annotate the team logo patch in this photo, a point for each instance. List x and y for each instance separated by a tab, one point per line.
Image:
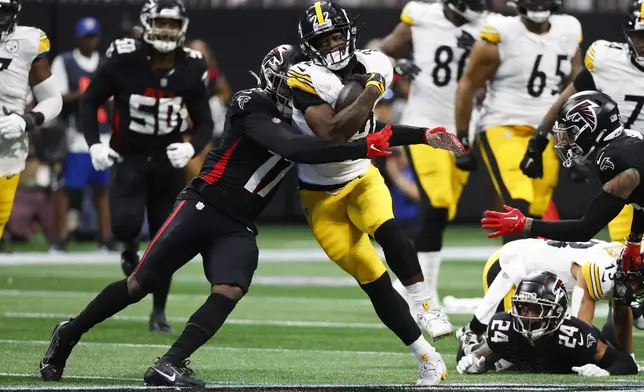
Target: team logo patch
606	164
11	46
590	340
241	101
584	111
276	120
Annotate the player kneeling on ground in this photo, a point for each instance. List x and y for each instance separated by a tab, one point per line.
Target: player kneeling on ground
537	336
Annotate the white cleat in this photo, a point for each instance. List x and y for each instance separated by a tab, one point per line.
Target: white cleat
436	323
432	372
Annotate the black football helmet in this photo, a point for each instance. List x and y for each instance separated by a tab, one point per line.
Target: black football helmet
272	75
317	25
539	305
634	30
9	10
537	11
157	17
469	9
586	122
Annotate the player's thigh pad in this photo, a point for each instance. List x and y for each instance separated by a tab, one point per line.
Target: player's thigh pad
502	149
231	258
8	187
179	239
76	170
369	202
620	227
544	187
128	196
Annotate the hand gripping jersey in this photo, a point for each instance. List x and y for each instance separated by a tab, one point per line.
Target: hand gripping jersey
615	73
441	58
324	83
574	343
533	69
597	259
17	52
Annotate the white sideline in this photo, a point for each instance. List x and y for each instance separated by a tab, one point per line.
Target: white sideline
72	377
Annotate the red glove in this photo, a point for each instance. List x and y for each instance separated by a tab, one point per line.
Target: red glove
440	138
631	257
510	222
378	143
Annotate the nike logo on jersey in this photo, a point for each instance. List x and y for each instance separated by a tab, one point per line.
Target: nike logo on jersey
169	378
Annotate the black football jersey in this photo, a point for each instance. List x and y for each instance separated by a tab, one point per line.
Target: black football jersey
151	106
621	154
574	343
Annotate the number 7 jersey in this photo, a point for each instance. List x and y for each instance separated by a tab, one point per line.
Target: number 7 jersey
533	70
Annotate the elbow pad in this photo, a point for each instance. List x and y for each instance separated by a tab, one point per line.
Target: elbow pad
50	101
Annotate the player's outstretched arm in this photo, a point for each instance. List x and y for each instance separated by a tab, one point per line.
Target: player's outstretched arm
607	361
403	135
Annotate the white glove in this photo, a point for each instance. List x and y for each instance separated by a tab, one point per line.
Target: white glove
180	154
470	364
12	125
103	156
590	370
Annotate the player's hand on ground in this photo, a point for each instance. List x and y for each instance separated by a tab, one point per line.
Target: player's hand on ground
590	370
372	79
378	143
471	364
12	125
440	138
103	156
509	222
180	154
407	69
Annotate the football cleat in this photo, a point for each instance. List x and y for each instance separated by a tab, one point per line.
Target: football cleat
436	323
129	262
432	372
52	364
166	374
158	322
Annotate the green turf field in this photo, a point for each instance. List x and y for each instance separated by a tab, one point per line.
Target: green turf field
302	323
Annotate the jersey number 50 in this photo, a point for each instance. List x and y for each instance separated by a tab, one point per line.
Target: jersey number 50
155	116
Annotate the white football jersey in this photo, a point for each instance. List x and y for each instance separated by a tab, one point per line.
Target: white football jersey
441	61
17	51
615	74
533	69
597	259
327	85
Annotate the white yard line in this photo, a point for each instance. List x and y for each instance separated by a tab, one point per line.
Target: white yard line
73	377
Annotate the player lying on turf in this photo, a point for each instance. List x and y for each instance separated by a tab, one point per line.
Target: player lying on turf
537	336
586	268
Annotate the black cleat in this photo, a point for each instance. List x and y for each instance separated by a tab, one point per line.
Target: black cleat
166	374
158	323
129	262
52	364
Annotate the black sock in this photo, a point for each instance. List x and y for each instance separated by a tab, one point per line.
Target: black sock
476	326
202	326
107	303
392	309
160	295
399	250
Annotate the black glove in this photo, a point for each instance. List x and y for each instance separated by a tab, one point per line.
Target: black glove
407	69
371	79
32	119
466	161
532	162
578	173
465	41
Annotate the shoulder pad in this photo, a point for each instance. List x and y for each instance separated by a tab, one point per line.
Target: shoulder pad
378	62
416	12
568	25
123	47
599	280
29	42
496	27
601	51
299	76
251	100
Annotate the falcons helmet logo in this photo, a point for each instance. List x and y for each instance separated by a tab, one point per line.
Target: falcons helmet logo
584	111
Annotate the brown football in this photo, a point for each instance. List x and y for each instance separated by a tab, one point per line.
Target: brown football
348	95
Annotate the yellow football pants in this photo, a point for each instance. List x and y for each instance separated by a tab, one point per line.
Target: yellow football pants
343	219
502	149
619	227
441	180
8	187
490	271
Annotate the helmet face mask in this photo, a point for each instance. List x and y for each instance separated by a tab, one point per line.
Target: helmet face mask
165	24
537	11
471	10
9	10
566	146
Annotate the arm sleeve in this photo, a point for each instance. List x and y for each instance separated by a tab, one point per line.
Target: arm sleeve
302	100
50	101
59	74
199	110
403	135
637	226
584	81
617	363
283	141
100	90
603	208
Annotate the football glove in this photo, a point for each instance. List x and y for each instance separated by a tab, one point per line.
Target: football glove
12	124
630	256
180	154
103	156
532	162
590	370
466	160
371	79
407	69
470	364
510	222
441	139
378	143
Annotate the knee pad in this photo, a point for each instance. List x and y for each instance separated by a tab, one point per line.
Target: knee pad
430	238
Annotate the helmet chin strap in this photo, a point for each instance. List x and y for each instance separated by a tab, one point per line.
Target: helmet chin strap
538	16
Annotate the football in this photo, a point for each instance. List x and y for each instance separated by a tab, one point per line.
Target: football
348	95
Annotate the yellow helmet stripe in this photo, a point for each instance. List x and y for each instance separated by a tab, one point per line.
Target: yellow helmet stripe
318	12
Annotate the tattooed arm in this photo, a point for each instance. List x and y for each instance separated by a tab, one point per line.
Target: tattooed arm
603	209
